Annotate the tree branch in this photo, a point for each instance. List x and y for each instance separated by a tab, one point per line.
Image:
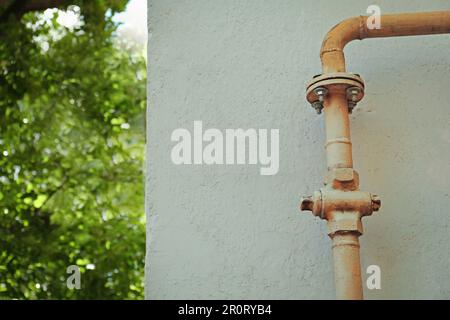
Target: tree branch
20	7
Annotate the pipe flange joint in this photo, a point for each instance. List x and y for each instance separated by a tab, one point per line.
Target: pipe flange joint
351	85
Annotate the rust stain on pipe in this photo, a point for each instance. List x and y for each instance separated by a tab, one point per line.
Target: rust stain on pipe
336	92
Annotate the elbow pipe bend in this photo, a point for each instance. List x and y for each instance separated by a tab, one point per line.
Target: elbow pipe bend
393	25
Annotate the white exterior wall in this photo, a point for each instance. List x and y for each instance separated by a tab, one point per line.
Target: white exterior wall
227	232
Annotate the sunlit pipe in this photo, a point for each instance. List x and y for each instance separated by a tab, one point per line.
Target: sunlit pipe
341	202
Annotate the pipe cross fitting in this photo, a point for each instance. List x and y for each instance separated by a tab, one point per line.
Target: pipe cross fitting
326	201
343	222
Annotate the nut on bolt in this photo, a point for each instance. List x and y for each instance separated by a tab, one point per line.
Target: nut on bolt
318	106
351	106
352	97
307	203
312	203
321	93
376	202
352	93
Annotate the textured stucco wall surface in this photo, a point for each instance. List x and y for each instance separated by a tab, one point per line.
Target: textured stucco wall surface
219	232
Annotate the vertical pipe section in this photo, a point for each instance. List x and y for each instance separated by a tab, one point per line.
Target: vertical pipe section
347	269
347	265
337	126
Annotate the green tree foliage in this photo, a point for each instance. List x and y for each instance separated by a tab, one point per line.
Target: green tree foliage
71	157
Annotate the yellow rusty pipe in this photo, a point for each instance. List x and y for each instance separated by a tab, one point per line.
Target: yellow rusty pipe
337	124
392	25
340	202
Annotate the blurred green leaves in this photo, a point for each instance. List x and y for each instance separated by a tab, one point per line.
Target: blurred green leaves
71	158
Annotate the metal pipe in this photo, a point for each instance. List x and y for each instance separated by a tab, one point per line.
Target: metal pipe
338	144
347	270
392	25
336	92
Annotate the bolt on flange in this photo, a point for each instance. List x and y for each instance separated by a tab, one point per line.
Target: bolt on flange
352	97
319	87
320	93
318	106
